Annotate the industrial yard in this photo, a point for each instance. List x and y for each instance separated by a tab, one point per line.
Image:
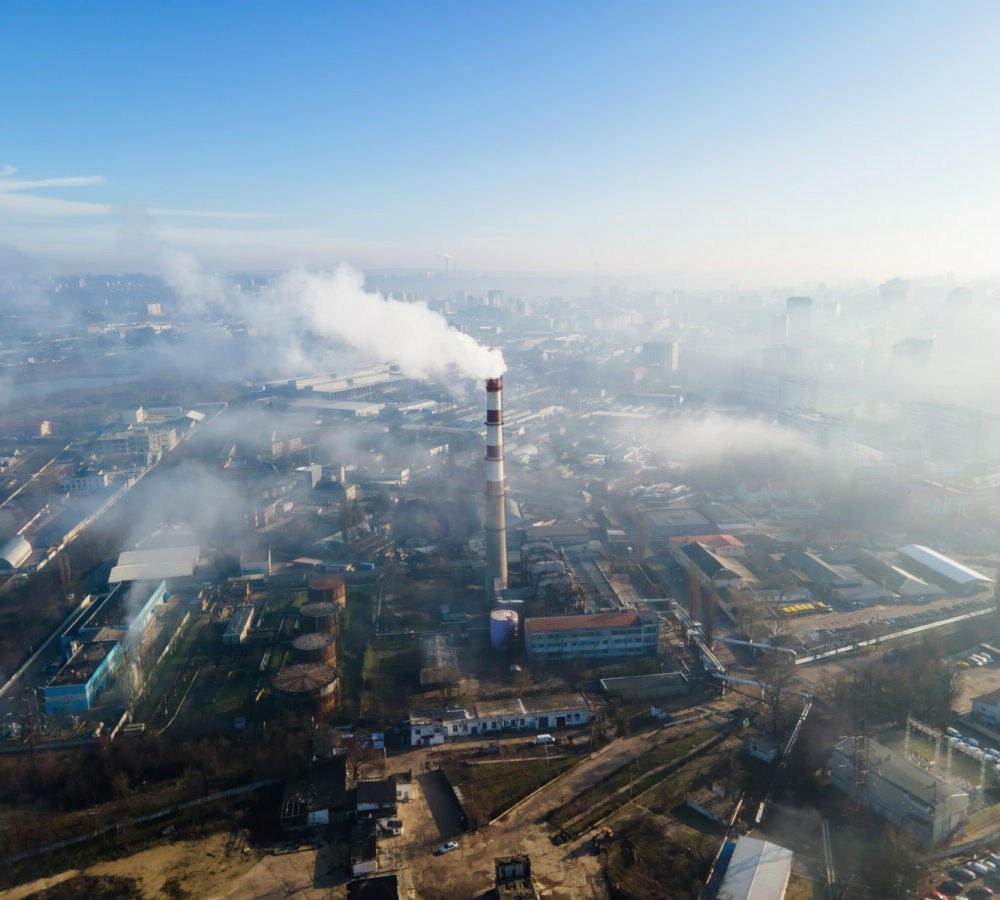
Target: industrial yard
327	625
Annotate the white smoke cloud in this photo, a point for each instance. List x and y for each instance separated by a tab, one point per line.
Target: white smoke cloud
712	438
332	305
411	335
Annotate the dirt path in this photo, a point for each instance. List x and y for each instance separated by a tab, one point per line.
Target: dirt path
565	872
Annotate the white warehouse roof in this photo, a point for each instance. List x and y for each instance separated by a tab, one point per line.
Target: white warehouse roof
155	565
15	553
758	870
943	565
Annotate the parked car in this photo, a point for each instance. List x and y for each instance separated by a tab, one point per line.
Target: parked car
951	888
954	732
979	868
961	874
979	892
447	848
972	742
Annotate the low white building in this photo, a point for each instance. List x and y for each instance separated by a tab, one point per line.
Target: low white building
430	727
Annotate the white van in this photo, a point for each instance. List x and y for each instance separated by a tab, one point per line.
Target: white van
544	739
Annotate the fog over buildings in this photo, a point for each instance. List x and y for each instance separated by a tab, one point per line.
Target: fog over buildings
532	452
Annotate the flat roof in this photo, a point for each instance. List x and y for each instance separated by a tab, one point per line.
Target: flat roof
155	565
321	404
923	786
758	870
485	709
712	540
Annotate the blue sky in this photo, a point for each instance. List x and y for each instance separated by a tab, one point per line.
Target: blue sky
705	142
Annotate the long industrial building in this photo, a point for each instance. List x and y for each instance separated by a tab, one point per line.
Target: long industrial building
631	633
96	648
153	565
899	790
944	570
430	727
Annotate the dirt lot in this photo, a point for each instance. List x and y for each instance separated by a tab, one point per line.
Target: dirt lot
223	866
566	872
206	868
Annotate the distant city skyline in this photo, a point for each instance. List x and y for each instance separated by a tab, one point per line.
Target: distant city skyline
747	143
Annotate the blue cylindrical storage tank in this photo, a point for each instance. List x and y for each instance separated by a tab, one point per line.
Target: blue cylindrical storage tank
503	628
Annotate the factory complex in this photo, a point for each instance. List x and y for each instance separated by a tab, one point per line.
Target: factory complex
513	591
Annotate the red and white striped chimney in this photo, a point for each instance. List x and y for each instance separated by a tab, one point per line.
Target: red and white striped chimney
496	516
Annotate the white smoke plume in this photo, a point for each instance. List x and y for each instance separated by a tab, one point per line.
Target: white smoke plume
411	335
711	438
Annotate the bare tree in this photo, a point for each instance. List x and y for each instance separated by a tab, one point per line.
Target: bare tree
132	681
641	535
693	591
748	610
362	757
776	671
710	602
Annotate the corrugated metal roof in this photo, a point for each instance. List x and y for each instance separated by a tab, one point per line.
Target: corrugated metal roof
156	571
758	870
943	565
15	553
155	565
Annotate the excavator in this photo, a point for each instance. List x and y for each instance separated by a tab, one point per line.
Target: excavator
603	839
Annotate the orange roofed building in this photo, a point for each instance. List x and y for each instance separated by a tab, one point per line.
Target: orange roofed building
631	633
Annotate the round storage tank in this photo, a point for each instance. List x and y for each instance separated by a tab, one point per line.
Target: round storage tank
327	589
503	628
316	647
310	686
320	617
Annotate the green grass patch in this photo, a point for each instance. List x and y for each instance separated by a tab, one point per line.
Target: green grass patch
492	788
356	631
162	678
389	675
596	800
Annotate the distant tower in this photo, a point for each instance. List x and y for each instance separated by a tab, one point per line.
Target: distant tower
496	516
912	355
799	312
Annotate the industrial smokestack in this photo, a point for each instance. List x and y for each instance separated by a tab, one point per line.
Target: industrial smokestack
496	515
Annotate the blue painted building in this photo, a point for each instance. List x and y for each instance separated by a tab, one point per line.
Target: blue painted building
97	647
